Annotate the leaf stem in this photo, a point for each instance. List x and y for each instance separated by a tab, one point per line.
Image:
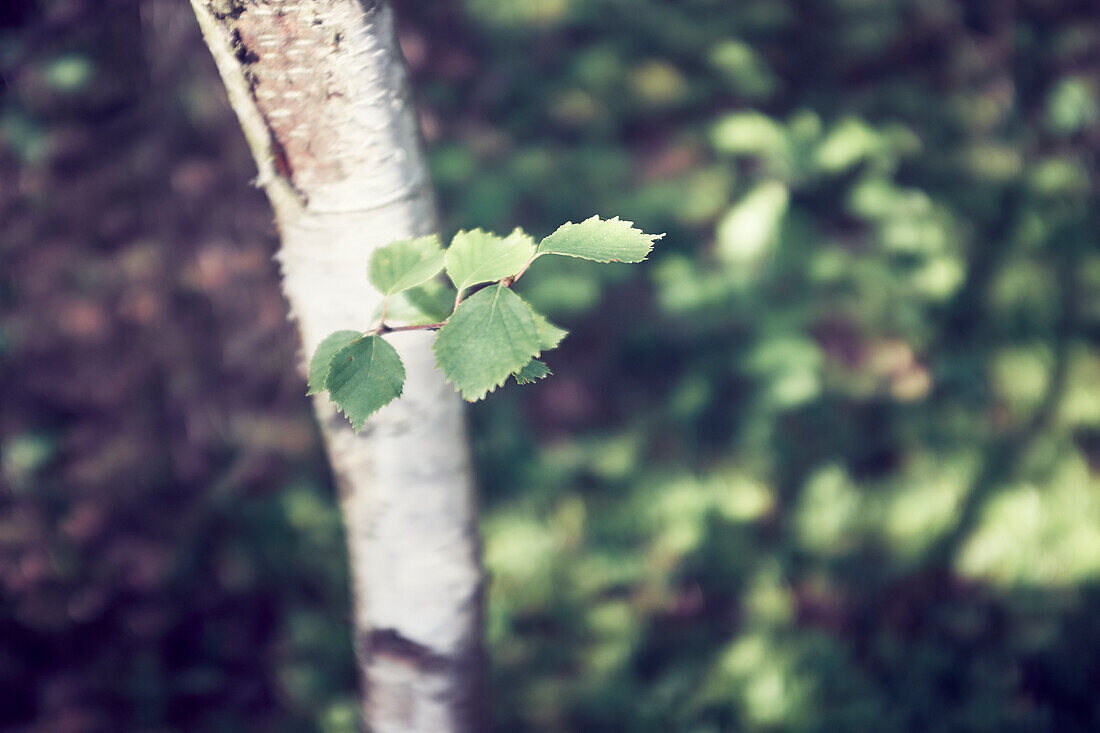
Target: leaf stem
382	328
382	319
509	281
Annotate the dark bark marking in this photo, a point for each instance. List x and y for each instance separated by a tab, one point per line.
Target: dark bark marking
392	644
282	50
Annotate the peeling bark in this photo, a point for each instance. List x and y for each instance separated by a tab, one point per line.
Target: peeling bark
320	89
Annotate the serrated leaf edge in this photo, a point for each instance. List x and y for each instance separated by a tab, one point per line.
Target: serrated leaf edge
477	397
340	408
309	378
651	237
524	381
478	230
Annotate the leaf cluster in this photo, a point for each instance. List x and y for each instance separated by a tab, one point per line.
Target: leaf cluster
486	331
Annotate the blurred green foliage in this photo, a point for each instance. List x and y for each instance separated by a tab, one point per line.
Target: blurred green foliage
829	461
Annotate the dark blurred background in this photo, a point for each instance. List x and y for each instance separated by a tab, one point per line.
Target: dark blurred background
829	461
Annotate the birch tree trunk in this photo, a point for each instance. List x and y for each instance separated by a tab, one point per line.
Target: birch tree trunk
320	89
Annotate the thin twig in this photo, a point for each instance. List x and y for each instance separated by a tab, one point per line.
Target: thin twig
378	330
509	281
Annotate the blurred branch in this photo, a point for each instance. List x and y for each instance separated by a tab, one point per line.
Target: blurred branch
1004	456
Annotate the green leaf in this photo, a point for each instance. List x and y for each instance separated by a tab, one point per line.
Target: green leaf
480	257
322	358
549	334
363	377
431	302
601	240
750	133
750	229
533	371
405	264
434	300
491	335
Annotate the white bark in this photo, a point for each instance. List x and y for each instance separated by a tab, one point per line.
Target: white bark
320	89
